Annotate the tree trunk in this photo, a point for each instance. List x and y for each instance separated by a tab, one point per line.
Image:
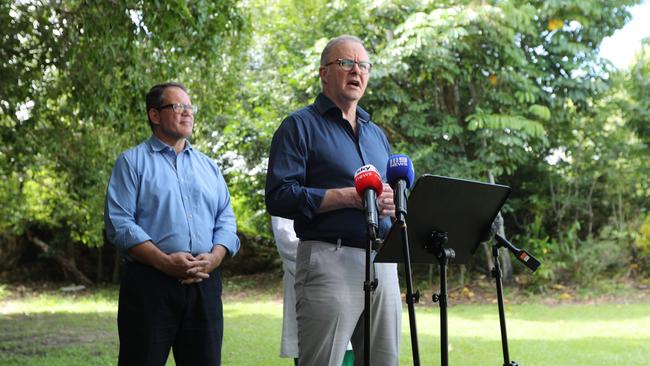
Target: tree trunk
116	267
504	255
65	263
488	256
462	276
100	263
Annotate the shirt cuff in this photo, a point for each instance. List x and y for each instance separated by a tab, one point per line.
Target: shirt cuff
131	237
314	198
227	239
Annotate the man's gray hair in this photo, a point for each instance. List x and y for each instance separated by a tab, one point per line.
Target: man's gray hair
333	42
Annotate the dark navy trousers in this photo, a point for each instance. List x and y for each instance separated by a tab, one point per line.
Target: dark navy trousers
157	313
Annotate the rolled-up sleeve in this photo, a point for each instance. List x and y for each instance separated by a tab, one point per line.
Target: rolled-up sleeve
225	226
120	207
286	193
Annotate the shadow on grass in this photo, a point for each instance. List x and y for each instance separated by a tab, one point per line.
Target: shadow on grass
592	351
252	337
254	340
58	339
545	313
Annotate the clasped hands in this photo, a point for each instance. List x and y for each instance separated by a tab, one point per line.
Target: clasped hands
193	269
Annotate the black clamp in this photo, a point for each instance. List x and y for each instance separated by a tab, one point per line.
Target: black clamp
414	298
372	285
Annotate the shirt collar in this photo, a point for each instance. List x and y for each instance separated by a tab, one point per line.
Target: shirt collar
324	104
158	145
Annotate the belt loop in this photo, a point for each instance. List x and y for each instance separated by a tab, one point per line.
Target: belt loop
338	243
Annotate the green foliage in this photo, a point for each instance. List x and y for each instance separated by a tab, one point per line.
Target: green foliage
512	90
638	87
74	75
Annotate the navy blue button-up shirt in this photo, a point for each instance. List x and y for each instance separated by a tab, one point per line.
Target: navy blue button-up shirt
315	149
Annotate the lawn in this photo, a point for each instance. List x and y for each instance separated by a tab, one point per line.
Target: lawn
47	327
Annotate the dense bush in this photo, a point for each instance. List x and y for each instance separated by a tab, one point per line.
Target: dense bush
506	91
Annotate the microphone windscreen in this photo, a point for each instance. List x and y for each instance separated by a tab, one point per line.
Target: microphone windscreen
367	177
400	167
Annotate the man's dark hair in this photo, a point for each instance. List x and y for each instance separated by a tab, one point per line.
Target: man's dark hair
155	95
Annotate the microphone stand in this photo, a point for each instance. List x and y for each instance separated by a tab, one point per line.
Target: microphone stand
496	274
529	261
368	287
436	245
411	298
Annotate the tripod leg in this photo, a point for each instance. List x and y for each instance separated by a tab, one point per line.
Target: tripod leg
444	341
496	273
367	288
410	297
443	256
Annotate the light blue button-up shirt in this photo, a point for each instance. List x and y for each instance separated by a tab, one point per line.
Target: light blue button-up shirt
179	202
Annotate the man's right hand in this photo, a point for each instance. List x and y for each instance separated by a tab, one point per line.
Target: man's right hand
337	198
180	265
184	266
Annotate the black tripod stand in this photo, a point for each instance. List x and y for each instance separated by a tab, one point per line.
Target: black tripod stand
443	255
368	287
447	219
411	298
530	262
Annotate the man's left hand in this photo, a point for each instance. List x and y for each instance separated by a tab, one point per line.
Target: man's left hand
214	260
386	203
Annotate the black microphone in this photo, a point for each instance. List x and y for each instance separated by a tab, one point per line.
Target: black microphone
523	256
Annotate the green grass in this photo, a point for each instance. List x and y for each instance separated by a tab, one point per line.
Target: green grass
56	329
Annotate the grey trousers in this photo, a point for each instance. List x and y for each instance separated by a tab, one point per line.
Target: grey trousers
330	302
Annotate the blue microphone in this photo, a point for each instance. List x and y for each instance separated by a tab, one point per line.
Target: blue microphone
400	175
400	167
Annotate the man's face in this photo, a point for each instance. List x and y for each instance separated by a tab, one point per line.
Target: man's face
345	86
171	126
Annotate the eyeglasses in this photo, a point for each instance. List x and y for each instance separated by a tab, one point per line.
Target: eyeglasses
179	107
348	65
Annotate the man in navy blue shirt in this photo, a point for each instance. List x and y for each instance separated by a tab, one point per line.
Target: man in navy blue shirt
314	155
168	210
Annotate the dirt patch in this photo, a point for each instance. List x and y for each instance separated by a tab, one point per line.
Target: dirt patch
479	290
28	338
483	291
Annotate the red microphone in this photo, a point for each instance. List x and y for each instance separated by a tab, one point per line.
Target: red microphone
367	182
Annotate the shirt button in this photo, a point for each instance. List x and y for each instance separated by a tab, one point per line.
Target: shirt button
190	216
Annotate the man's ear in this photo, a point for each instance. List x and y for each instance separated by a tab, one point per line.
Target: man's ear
154	116
322	72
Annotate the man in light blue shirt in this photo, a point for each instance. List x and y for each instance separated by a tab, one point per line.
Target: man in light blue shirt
168	210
